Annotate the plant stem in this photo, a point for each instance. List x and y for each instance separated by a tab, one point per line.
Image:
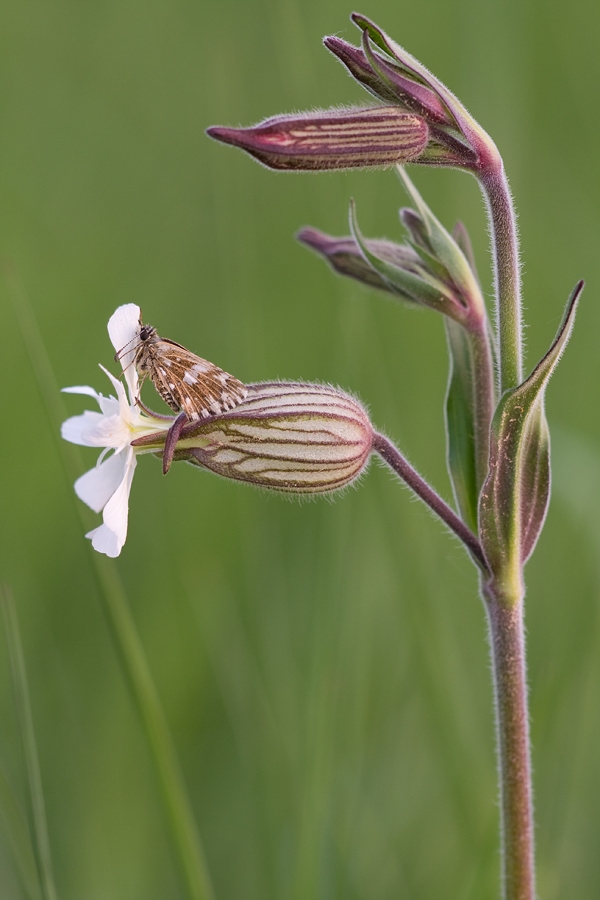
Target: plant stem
392	456
507	276
484	394
505	618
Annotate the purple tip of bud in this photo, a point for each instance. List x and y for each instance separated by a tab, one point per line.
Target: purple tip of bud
344	256
334	139
386	81
359	67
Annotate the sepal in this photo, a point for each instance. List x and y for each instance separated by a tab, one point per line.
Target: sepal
515	496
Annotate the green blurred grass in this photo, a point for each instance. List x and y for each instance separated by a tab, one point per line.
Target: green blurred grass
323	666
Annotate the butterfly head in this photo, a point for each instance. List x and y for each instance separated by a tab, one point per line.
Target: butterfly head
147	332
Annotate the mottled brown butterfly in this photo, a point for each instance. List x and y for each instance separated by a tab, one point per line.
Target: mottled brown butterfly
190	385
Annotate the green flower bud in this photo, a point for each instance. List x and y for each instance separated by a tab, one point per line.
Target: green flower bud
288	436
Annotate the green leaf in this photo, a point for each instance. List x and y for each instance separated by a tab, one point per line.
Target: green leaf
515	496
460	426
407	284
443	246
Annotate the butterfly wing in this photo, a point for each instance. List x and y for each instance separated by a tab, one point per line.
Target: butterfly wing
191	384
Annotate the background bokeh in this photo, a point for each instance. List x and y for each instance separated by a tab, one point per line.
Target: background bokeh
323	666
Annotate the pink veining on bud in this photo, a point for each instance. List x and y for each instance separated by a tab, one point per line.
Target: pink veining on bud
288	436
334	139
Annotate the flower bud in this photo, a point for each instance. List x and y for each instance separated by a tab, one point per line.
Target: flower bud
387	81
344	255
333	139
287	436
394	76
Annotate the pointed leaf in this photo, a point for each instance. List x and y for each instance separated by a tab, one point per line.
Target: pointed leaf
443	245
425	292
515	496
460	427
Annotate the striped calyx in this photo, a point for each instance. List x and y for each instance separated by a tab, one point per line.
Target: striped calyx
289	436
333	139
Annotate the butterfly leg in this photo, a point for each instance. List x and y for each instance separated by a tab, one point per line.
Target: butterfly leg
171	440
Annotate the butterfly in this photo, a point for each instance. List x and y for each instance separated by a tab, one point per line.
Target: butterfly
190	385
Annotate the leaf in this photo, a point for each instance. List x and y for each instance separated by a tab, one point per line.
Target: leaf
443	246
428	293
460	427
515	496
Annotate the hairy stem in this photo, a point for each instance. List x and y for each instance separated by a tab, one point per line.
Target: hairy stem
507	641
484	394
392	456
505	251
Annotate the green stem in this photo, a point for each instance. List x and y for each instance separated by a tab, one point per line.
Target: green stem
41	840
484	394
505	619
505	251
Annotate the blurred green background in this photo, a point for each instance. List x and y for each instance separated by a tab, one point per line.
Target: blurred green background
323	666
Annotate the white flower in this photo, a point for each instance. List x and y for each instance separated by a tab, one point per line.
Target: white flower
106	487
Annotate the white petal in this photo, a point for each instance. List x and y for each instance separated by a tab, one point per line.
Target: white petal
124	329
105	541
124	325
117	509
124	407
77	428
108	431
82	389
98	485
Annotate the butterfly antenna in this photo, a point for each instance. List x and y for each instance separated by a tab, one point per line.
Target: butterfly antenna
123	349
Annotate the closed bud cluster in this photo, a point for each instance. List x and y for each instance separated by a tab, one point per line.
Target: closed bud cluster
333	139
430	270
288	436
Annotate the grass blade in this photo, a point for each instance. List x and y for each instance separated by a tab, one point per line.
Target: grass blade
41	839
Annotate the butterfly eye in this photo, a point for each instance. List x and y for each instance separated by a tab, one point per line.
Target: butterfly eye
145	333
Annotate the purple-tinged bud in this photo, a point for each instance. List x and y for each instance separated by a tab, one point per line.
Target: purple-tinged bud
386	81
333	139
344	256
456	139
287	436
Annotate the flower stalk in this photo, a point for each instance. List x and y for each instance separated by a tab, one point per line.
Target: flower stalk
507	274
507	645
396	461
